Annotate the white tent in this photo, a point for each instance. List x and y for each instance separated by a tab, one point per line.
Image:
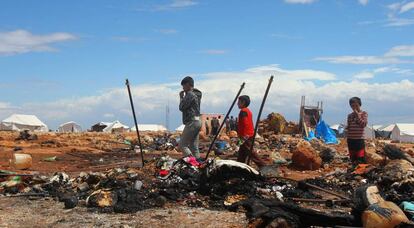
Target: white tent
403	133
377	127
369	133
180	128
385	131
149	127
116	127
18	122
388	128
70	127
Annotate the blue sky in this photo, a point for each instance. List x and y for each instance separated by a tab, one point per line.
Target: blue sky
68	60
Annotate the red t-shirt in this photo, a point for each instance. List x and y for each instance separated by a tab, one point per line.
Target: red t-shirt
245	123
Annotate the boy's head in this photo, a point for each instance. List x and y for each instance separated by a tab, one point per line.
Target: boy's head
244	101
355	103
187	83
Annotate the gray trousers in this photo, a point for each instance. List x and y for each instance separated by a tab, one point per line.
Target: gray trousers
189	139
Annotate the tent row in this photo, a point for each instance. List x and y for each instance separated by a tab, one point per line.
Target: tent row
19	122
401	132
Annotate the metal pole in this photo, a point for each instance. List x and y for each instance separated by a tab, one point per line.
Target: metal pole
225	118
135	121
258	117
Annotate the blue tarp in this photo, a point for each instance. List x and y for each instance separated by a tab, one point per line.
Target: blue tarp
324	132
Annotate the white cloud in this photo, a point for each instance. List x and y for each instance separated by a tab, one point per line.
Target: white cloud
167	31
219	89
22	41
407	7
364	75
399	22
369	74
363	2
360	59
300	1
215	51
394	18
176	4
402	50
390	57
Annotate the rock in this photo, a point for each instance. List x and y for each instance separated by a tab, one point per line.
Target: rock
71	202
373	158
160	201
269	171
305	157
277	123
148	139
83	187
138	185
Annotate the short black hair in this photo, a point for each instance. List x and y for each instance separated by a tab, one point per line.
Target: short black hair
355	99
245	99
188	80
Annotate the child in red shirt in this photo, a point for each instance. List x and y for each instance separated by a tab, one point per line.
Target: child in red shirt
245	131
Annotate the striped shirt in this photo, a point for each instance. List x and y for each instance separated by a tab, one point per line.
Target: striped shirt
356	125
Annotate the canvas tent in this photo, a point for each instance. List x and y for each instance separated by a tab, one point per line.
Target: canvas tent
403	133
70	127
385	132
180	128
369	132
18	122
116	127
338	129
149	127
100	126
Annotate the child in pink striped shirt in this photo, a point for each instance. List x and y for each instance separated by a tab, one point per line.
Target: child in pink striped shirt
357	121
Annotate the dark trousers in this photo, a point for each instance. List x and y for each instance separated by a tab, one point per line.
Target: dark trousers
244	153
356	148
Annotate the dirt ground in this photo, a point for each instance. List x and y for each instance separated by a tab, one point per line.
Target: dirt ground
98	152
91	152
45	212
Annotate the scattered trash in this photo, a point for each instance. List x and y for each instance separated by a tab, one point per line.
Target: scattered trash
50	159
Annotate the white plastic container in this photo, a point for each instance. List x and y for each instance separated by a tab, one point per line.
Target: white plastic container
21	161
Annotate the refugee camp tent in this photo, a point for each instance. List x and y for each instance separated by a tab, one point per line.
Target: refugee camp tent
100	126
403	133
150	127
385	132
369	132
18	122
339	129
70	127
116	127
180	128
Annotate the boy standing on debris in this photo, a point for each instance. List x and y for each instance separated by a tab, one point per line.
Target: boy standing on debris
245	131
357	121
190	100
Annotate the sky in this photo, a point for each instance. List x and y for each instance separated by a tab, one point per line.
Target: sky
68	60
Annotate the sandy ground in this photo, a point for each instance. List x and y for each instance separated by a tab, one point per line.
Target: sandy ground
45	212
